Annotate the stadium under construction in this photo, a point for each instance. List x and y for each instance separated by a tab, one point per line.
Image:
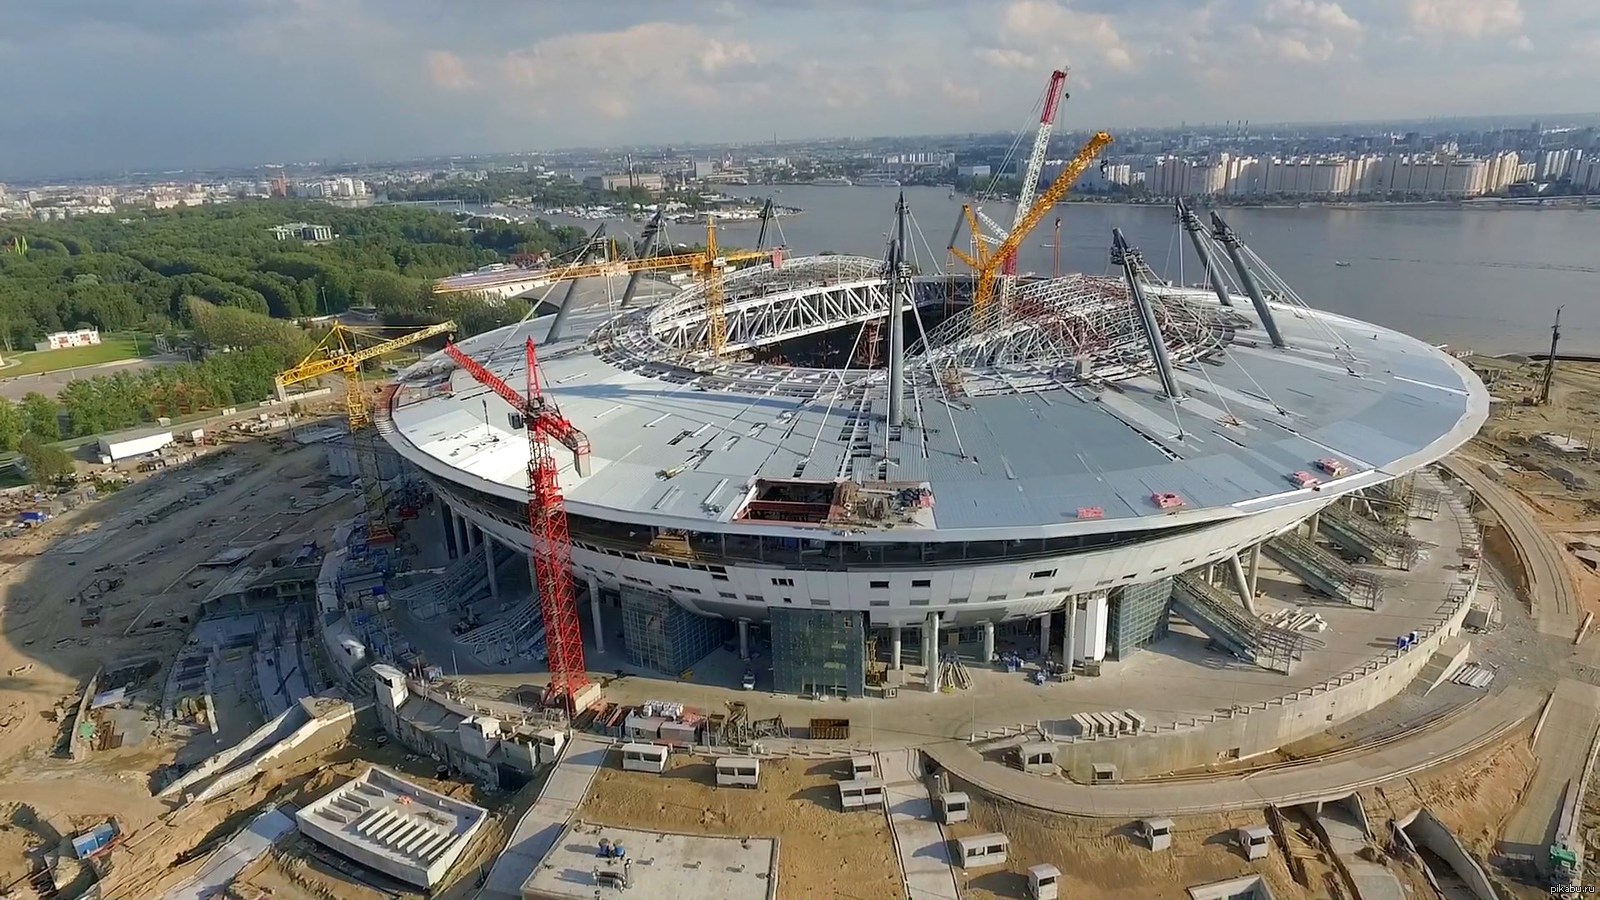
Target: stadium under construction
872	454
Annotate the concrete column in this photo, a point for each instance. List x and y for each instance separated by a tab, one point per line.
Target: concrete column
988	642
594	614
1255	566
894	647
488	564
477	536
744	639
1316	523
1044	635
461	534
449	522
1069	648
932	659
1242	582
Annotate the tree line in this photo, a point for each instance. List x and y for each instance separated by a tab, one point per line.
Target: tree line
205	277
121	273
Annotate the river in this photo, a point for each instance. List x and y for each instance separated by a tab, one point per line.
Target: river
1486	279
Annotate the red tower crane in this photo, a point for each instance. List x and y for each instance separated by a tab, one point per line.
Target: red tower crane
547	524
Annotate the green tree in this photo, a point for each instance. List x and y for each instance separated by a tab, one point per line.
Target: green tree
40	417
11	428
46	463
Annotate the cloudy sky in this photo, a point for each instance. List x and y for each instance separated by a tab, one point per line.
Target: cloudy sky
110	84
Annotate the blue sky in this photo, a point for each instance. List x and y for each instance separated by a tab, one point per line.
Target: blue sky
107	84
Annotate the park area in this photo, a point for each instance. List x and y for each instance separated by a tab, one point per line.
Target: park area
112	348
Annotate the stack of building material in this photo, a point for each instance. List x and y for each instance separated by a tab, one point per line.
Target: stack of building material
1473	675
953	674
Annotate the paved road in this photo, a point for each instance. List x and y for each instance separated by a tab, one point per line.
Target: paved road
1550	589
536	833
1563	749
918	839
1490	719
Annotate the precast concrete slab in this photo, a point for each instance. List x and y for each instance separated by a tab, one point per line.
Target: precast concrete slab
240	851
537	831
658	864
1565	741
918	840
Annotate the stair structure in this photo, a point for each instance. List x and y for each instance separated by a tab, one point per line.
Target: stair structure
1325	572
464	583
520	633
1221	618
1367	539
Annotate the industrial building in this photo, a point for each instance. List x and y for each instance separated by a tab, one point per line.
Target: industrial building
1055	466
130	444
393	826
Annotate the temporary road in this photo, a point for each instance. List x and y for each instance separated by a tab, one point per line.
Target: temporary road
1565	741
539	828
1551	593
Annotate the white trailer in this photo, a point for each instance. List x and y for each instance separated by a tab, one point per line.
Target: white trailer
129	444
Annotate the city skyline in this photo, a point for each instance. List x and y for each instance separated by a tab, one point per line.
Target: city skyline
172	84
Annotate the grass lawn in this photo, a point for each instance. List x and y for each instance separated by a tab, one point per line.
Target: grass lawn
112	348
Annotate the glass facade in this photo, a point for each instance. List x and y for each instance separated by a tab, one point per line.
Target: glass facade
819	652
1136	616
664	637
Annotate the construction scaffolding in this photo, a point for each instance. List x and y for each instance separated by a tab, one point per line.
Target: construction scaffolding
1399	499
1221	618
1368	539
1325	572
737	729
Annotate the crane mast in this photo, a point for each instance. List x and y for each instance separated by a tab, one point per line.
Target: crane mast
988	266
551	560
339	353
1041	143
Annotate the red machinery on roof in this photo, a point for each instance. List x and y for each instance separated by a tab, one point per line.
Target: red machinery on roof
547	523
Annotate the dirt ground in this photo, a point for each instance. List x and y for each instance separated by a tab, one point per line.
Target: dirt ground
1104	860
1562	489
47	654
822	851
1473	799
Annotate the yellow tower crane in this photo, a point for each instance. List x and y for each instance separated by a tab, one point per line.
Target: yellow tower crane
709	265
339	352
988	264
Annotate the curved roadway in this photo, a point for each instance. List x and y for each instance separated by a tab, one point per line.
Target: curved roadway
1551	593
1491	719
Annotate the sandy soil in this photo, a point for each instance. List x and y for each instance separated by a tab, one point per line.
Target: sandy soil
1560	504
46	654
1473	799
822	852
1103	860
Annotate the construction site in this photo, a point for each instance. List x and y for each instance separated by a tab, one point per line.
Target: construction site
1215	595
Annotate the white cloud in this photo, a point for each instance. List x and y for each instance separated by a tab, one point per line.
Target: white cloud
626	71
1303	31
1475	19
1039	35
447	70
